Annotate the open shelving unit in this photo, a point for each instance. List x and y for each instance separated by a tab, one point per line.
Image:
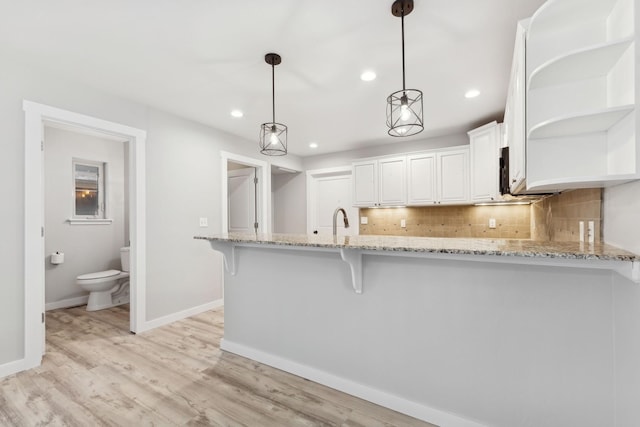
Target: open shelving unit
581	93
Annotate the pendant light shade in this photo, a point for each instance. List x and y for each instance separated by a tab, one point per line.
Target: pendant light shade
404	107
273	136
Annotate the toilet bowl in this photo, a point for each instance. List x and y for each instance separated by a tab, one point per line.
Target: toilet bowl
107	288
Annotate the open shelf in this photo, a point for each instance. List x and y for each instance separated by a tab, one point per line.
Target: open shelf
576	124
590	62
563	183
552	15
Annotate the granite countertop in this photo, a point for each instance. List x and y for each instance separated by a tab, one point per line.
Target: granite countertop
499	247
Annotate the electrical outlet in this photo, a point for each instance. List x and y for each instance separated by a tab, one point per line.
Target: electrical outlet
403	223
492	223
204	222
364	220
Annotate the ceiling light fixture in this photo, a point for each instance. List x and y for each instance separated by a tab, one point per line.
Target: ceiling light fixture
472	93
368	76
404	107
273	136
313	145
237	113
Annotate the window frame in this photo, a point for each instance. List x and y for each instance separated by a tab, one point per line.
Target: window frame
103	203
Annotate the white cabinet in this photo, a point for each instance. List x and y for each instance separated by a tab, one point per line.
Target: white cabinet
421	179
514	131
453	176
581	88
484	144
438	177
380	182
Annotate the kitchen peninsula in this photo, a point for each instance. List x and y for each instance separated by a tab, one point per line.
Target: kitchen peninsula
457	332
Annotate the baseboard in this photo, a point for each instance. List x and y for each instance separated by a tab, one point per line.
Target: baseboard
12	367
396	403
165	320
65	303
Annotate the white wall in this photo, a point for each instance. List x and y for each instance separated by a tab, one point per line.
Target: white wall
289	203
183	184
87	248
621	205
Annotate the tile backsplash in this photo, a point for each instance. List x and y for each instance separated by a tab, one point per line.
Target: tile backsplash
512	221
554	218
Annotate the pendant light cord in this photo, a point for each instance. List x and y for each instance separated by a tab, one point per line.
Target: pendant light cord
403	78
273	92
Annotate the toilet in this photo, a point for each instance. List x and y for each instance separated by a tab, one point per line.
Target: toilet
107	288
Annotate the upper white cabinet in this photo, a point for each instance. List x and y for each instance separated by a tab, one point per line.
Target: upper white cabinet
421	179
453	176
485	152
580	103
514	130
380	182
438	177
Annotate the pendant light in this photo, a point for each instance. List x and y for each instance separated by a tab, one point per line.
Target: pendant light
273	136
404	107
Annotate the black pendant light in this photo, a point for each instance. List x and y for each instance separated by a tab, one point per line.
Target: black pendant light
273	136
404	107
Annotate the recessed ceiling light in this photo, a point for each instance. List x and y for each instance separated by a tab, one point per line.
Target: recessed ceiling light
313	145
368	76
237	113
472	93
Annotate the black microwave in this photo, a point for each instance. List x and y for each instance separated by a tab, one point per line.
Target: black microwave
505	185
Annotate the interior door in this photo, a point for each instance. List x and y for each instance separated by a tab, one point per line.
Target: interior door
242	200
330	193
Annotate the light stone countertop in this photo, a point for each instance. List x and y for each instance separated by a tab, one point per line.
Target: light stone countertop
466	246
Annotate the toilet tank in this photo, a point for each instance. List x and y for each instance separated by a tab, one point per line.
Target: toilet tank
124	258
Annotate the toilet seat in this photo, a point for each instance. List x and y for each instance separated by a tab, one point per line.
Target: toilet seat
99	275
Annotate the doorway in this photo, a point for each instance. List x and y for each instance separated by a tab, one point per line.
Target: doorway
243	195
230	161
327	190
36	117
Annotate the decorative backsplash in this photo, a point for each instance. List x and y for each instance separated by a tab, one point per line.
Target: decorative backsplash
555	218
512	221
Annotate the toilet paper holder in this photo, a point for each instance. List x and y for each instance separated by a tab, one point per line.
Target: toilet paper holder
57	258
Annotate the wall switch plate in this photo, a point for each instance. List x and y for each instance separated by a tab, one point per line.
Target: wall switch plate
364	220
591	233
581	231
492	223
403	223
204	222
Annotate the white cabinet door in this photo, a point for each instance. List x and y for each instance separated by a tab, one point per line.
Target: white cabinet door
392	186
421	179
453	176
365	183
484	144
514	115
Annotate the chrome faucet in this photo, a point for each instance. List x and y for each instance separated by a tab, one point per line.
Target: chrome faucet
335	217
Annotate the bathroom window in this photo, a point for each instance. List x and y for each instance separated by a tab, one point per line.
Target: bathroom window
89	189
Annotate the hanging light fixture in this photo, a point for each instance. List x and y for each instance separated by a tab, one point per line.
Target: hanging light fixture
404	107
273	136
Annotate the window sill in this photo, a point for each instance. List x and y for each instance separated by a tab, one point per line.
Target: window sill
89	221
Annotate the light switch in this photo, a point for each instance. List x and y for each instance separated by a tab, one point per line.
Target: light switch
591	233
403	223
364	220
204	222
492	223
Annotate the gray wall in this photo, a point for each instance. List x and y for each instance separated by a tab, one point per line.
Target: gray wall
183	184
87	248
290	203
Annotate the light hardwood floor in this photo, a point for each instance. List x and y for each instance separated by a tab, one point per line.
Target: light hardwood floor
96	373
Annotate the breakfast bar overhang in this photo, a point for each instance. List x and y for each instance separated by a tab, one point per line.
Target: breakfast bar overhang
456	332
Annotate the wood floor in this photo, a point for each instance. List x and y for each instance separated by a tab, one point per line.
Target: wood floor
95	373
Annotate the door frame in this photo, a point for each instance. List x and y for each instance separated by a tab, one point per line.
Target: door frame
264	184
312	176
36	116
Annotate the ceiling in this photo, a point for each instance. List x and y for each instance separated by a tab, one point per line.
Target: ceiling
200	59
